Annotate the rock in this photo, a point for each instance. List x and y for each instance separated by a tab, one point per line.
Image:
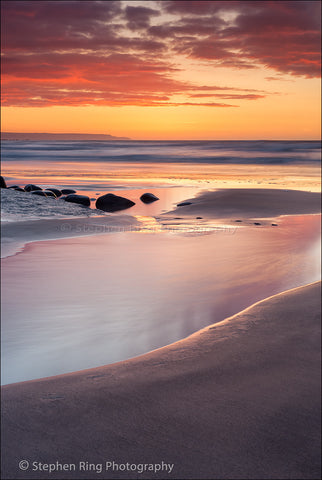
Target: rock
14	186
31	188
198	218
49	193
2	182
148	198
63	197
55	191
113	203
81	199
238	220
182	204
19	189
39	192
274	225
257	223
68	191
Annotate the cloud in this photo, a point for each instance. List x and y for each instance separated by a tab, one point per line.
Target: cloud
66	52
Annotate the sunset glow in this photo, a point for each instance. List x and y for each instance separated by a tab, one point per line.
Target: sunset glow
162	69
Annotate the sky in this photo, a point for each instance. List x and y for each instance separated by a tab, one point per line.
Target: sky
162	69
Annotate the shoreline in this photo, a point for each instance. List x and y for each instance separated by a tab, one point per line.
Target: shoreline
257	388
228	205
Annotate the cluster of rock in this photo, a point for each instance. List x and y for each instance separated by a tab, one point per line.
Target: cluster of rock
107	203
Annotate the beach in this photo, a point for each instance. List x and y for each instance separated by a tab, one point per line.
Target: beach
165	341
239	399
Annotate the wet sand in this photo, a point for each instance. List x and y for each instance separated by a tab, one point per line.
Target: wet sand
239	399
251	203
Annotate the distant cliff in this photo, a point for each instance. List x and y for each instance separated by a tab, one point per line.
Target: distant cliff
58	136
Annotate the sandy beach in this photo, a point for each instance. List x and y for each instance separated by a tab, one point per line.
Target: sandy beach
239	399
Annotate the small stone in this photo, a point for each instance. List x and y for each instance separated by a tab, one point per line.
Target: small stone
31	188
68	191
148	198
39	192
80	199
49	193
55	191
182	204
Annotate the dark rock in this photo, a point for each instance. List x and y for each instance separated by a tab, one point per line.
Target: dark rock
257	223
14	186
148	198
68	191
32	188
55	191
2	182
238	220
39	192
49	193
113	203
198	218
182	204
19	189
63	197
81	199
274	225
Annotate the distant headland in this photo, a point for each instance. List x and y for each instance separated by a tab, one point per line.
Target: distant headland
58	136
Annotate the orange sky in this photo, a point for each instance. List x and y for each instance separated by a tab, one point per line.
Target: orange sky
162	70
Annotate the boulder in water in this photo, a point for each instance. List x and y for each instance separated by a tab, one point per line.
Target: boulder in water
2	182
182	204
32	188
113	203
19	189
148	198
14	186
67	191
80	199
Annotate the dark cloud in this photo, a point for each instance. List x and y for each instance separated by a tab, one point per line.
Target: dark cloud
139	17
127	52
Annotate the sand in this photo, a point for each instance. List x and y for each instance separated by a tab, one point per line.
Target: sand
251	203
239	399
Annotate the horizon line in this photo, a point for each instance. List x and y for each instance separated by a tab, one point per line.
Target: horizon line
124	138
